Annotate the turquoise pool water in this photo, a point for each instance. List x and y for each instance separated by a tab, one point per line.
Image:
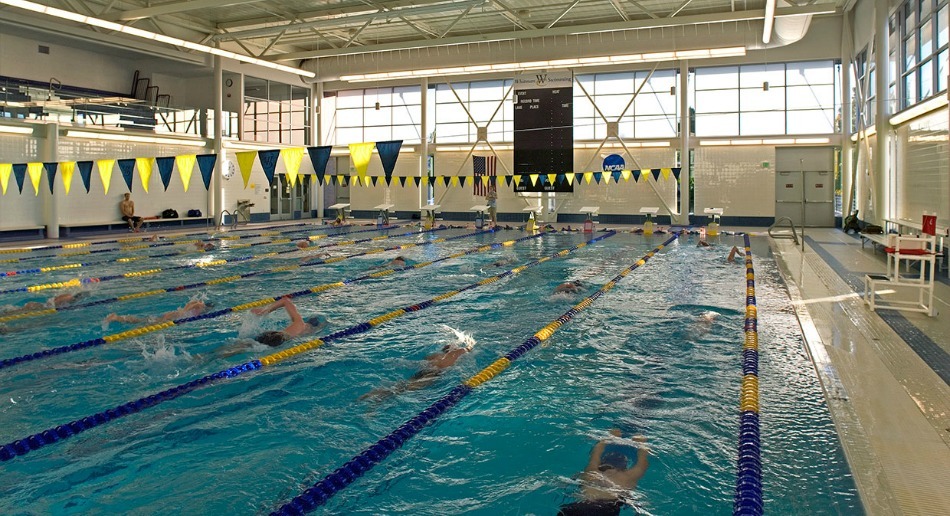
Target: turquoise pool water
642	359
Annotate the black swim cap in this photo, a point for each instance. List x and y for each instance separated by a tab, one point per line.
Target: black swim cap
271	338
614	460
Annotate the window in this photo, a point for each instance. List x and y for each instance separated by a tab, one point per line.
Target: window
766	99
923	47
378	114
651	114
275	112
480	99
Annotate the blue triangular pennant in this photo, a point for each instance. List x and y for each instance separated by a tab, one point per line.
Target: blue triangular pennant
165	167
50	173
597	176
636	175
19	172
656	174
388	154
85	172
206	166
127	166
269	162
402	181
616	175
676	173
319	157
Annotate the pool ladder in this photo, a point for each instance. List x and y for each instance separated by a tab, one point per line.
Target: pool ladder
793	234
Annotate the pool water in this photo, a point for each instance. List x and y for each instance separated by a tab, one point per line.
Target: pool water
644	358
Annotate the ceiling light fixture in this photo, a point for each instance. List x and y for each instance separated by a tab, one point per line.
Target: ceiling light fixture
144	34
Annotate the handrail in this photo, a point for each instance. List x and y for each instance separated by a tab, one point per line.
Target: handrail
791	225
220	220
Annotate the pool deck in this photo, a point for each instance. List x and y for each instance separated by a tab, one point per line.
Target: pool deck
885	373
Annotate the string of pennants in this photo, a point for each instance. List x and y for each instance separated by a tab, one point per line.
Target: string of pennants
360	154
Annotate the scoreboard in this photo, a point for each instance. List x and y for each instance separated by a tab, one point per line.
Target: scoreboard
544	129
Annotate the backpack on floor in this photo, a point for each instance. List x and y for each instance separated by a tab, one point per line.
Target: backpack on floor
194	213
169	214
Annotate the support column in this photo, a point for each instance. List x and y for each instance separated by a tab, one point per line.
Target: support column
847	185
424	147
683	90
881	124
316	138
49	152
216	192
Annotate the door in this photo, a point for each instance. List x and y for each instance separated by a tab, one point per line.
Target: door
804	185
288	202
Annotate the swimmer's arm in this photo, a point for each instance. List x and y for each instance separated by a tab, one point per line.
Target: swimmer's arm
594	462
639	469
284	303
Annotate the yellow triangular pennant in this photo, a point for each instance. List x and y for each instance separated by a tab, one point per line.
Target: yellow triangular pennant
360	153
292	158
645	173
354	180
246	163
339	179
484	180
105	172
145	171
516	179
425	180
534	179
186	164
454	181
36	172
366	180
625	174
551	178
570	177
588	176
67	168
5	169
666	172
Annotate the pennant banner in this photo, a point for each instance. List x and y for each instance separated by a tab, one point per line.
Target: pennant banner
50	174
68	167
19	173
165	167
186	165
636	175
145	171
676	173
388	154
85	173
319	157
269	162
245	164
292	159
5	169
206	167
360	153
127	168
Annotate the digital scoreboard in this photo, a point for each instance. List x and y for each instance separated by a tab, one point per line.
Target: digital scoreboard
544	130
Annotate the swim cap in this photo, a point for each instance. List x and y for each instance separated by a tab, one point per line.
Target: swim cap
316	321
614	460
271	338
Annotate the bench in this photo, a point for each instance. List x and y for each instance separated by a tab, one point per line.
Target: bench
111	225
875	239
28	230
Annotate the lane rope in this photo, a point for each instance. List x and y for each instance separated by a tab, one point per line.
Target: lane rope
359	465
58	433
748	496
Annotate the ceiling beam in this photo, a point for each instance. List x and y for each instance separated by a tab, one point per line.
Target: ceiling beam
620	10
647	11
335	11
568	9
680	8
693	19
172	8
358	18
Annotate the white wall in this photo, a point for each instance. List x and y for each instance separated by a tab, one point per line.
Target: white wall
734	179
922	178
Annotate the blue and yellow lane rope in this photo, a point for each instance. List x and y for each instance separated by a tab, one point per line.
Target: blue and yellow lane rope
136	332
211	263
235	277
172	243
748	496
322	491
58	433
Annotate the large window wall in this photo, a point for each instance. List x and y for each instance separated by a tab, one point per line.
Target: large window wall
275	112
481	99
379	114
922	49
653	113
767	99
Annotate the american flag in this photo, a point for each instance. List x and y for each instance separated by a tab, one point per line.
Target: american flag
483	166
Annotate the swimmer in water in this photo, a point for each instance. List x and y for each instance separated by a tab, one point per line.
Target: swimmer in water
435	364
571	287
191	309
298	326
606	480
733	253
60	301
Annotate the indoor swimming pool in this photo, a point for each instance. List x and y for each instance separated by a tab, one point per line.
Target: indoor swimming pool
658	356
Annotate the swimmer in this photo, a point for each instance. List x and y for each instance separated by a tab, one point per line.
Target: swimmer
302	244
733	253
204	246
191	309
338	221
60	301
298	326
606	480
571	287
435	364
397	262
703	243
